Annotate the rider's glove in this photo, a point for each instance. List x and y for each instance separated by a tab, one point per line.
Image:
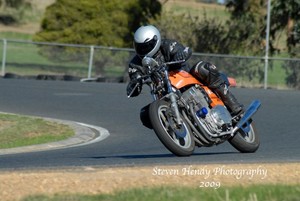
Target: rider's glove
182	54
134	87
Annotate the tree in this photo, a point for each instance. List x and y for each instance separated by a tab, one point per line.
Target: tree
178	27
205	35
95	22
286	16
101	22
11	3
13	11
248	18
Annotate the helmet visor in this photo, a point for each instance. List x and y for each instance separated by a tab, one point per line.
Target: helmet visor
144	48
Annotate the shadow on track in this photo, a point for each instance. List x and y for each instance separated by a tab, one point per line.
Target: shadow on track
140	156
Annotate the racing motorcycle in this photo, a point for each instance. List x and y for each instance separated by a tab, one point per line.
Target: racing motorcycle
185	113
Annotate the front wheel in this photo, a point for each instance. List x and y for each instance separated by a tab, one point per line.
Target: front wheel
246	142
177	139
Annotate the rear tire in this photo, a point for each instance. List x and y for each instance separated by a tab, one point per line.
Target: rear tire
160	120
246	142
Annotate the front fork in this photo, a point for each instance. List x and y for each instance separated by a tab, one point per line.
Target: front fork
173	99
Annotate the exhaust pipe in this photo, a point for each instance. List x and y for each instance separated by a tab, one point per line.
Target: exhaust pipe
252	109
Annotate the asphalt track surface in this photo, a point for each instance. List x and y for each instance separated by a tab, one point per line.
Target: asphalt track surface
131	144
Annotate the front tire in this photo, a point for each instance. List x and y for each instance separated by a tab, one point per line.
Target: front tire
162	121
246	142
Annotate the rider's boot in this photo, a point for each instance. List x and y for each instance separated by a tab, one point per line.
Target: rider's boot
234	107
208	73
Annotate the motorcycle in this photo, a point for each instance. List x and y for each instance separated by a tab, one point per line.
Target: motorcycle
185	113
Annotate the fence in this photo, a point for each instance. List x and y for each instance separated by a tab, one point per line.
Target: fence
82	62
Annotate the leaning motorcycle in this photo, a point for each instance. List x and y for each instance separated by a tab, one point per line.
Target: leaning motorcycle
185	113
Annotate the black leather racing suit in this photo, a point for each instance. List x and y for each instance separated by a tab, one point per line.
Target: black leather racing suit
205	72
170	50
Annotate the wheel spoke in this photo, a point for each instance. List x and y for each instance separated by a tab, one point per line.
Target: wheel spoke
164	119
249	137
182	142
177	138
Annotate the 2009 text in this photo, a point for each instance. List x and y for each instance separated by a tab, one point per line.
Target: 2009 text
210	184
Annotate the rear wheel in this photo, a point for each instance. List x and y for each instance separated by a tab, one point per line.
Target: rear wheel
246	142
177	139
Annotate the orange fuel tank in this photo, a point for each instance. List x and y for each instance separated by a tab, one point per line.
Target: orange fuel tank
182	78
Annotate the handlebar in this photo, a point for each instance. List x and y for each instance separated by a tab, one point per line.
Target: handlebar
174	62
150	63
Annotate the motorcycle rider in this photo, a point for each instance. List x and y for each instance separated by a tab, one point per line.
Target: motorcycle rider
148	42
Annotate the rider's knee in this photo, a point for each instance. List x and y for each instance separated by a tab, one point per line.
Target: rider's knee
206	72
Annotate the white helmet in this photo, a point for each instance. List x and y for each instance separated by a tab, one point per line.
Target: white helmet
147	41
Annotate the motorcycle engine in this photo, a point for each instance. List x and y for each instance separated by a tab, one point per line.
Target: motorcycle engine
220	119
217	120
195	96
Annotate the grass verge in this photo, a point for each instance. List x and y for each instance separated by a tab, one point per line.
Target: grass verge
251	193
18	130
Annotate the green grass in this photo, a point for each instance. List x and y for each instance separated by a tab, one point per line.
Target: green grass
198	10
15	35
32	59
25	59
277	74
252	193
18	130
